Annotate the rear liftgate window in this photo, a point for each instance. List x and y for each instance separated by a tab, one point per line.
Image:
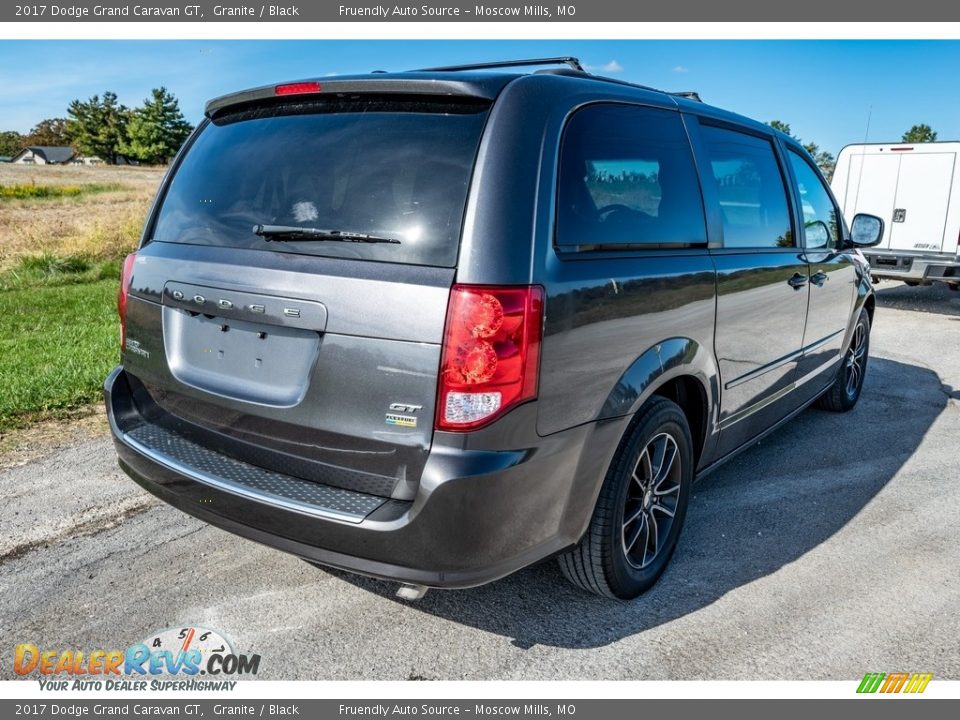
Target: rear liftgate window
384	168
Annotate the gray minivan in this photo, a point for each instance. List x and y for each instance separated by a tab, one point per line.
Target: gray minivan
437	326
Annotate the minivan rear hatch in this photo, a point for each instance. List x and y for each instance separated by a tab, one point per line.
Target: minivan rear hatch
287	305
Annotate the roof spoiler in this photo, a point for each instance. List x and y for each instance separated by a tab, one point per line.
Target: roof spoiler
399	84
426	82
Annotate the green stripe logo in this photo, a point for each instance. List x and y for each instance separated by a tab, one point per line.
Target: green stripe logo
871	682
894	682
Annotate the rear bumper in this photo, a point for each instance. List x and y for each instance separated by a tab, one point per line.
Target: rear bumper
916	267
479	514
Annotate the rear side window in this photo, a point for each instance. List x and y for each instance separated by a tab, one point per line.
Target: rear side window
750	187
385	168
627	177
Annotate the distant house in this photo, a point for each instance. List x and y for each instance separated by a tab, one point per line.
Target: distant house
39	155
5	158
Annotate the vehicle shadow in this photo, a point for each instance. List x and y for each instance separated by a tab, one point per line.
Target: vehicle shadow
936	298
765	509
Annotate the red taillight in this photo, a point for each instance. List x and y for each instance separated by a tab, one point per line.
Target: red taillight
125	279
300	88
491	353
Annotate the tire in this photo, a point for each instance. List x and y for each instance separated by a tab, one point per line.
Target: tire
843	394
619	559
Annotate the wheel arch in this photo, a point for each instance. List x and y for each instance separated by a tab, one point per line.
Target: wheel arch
679	369
870	304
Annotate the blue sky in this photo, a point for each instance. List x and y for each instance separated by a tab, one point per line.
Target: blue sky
824	89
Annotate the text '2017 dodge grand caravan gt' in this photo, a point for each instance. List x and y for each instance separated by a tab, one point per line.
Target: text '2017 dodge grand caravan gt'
437	326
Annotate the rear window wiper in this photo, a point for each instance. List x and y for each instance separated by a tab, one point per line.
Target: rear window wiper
292	232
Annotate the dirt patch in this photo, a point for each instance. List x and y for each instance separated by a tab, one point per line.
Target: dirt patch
39	439
93	522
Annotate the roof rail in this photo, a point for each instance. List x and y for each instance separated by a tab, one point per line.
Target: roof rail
571	62
573	67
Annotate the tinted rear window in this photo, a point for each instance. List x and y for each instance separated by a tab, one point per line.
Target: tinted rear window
627	177
385	168
750	188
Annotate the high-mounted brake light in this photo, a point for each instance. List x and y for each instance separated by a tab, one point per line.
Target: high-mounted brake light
490	360
126	277
300	88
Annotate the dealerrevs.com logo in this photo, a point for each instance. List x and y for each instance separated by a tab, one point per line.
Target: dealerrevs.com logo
184	658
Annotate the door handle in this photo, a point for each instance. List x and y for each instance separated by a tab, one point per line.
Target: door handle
819	278
797	281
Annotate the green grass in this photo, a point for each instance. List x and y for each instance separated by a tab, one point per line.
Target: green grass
48	269
57	344
30	191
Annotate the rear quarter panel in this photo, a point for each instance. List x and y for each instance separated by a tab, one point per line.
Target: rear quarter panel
606	313
611	329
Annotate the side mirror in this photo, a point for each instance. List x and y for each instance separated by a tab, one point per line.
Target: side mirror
866	230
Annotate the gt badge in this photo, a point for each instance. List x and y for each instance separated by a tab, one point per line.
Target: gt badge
407	420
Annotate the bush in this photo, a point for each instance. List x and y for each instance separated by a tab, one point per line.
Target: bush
50	264
30	191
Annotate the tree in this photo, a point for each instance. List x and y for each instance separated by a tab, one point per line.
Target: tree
920	134
781	126
51	132
157	129
11	142
824	160
98	127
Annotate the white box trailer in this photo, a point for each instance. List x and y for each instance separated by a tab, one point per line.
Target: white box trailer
915	189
